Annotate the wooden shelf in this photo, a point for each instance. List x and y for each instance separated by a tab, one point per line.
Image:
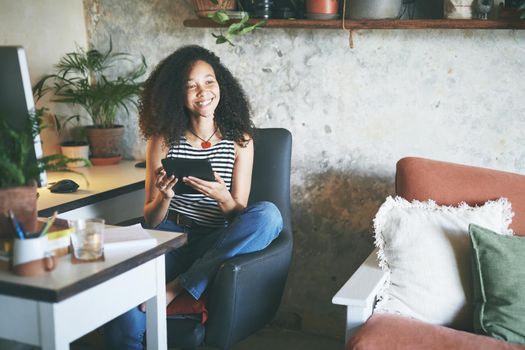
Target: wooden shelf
375	24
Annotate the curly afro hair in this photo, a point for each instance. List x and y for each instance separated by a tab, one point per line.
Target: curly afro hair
161	105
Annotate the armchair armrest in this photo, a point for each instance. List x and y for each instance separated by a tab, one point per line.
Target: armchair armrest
359	293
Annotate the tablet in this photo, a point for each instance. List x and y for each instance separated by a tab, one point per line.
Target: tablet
180	167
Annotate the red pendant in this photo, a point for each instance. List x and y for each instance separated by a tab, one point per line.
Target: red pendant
206	144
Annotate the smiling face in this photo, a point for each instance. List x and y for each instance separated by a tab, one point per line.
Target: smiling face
202	90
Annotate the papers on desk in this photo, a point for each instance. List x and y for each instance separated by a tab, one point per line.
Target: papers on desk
127	237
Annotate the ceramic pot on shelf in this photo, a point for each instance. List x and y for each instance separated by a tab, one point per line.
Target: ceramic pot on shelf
373	9
322	9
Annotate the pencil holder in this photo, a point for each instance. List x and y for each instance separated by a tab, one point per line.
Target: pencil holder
32	256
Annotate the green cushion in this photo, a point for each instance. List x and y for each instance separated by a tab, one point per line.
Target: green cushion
499	284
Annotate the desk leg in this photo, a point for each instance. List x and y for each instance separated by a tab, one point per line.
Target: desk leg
49	338
156	334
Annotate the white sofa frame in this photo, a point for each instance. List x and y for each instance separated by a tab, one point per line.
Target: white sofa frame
358	294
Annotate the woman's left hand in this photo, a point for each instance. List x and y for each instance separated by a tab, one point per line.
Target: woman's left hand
213	189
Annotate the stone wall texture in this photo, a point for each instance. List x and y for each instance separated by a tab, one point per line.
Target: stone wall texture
454	95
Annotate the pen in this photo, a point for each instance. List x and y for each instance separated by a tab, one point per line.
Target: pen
16	225
48	224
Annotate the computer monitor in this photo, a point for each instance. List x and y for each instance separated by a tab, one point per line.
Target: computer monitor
16	96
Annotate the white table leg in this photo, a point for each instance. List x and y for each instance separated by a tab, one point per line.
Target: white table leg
156	334
48	329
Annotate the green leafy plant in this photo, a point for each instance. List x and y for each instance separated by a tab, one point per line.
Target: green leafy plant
82	79
235	29
16	147
76	135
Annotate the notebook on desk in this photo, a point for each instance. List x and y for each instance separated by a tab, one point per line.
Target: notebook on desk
127	237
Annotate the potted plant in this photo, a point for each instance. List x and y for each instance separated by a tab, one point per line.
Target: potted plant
19	173
84	78
74	144
205	7
221	11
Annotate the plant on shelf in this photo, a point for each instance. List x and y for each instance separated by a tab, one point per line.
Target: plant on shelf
87	79
20	170
237	22
219	12
234	29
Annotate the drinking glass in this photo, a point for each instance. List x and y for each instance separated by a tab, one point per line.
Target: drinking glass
87	238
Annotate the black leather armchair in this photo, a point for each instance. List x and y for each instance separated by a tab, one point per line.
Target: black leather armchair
247	289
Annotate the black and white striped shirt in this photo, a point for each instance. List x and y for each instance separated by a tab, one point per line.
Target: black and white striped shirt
204	210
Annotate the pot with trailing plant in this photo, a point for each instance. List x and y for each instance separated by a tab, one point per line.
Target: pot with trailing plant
203	8
99	83
18	190
236	23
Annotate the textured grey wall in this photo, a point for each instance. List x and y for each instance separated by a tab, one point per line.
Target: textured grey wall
453	95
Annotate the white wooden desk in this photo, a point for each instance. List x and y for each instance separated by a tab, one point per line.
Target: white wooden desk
53	310
115	193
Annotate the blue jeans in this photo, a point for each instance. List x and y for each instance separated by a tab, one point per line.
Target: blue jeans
197	262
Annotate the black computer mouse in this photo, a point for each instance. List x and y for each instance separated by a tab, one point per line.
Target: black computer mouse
64	186
140	164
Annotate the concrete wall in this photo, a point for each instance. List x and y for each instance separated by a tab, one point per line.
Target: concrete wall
453	95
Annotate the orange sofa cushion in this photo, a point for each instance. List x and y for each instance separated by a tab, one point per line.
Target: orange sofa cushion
449	184
392	332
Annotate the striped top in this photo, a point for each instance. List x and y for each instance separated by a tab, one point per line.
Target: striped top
204	210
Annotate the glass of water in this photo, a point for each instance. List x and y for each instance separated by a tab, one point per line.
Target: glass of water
87	238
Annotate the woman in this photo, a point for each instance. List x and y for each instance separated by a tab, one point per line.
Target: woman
192	107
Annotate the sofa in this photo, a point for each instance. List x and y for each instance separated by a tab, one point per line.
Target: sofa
447	184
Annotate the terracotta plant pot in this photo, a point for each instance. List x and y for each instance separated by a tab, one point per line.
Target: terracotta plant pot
105	144
73	149
322	6
204	7
22	201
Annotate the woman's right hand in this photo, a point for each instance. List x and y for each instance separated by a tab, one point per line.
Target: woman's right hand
164	183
